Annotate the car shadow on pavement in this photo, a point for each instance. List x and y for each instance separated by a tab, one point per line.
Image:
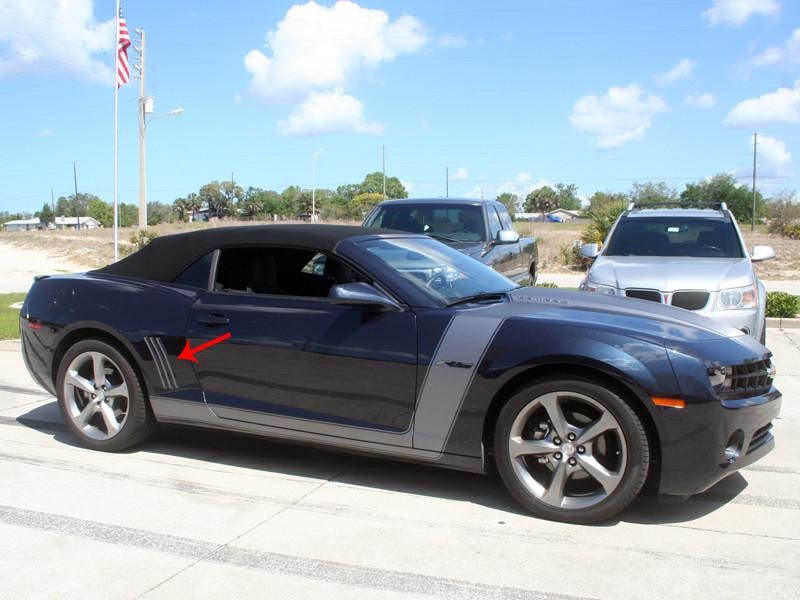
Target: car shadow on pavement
250	452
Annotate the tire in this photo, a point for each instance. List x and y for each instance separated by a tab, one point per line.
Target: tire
533	273
564	479
102	398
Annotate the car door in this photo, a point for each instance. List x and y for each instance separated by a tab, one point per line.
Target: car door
501	257
297	359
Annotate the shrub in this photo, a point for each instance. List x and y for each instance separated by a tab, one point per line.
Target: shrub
546	284
781	304
138	240
602	218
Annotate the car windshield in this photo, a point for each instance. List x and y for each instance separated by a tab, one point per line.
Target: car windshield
458	223
445	274
664	236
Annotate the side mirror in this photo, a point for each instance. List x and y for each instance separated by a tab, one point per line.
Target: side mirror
507	236
362	294
760	253
590	250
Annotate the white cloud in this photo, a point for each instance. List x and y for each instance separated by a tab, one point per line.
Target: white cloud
683	70
476	193
44	133
460	174
780	106
619	116
451	40
328	112
704	101
738	12
522	185
772	151
786	53
317	47
69	40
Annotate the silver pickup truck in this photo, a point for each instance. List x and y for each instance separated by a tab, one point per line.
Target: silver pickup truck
481	229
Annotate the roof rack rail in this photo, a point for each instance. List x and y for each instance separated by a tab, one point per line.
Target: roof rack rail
678	204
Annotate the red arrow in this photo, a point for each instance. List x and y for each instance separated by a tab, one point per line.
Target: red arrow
188	353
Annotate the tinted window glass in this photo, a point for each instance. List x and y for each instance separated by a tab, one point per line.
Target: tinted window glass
494	223
708	238
505	218
196	275
451	222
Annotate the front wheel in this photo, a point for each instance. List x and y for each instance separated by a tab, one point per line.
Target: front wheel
570	450
101	397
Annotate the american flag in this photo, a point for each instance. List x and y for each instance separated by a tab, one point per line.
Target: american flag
123	71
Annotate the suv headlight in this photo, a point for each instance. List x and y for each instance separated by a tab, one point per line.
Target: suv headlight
600	289
743	297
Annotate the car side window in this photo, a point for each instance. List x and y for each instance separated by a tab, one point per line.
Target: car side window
281	271
505	218
196	275
494	222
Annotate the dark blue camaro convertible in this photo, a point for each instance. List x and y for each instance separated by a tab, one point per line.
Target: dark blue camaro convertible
392	343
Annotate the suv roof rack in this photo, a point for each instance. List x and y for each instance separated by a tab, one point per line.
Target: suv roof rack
678	204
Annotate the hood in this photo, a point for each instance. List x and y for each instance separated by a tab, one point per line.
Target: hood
636	318
669	274
471	249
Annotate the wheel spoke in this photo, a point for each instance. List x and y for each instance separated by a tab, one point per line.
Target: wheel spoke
98	363
117	391
519	447
83	418
109	418
555	414
79	382
555	493
605	423
608	479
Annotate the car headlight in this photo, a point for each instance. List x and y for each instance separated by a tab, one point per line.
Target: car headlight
743	297
600	289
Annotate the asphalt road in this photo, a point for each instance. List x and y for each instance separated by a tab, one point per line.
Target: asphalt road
205	515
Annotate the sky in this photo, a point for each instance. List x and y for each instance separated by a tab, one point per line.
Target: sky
506	95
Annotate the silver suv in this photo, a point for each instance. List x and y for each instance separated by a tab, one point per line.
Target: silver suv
693	258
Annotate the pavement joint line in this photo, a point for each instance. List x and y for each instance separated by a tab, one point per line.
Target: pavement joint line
272	562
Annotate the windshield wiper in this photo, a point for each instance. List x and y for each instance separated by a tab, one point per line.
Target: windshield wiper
439	236
480	297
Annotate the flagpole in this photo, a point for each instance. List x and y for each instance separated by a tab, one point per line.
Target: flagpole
116	136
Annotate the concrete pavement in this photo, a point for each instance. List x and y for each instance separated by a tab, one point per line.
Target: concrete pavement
208	515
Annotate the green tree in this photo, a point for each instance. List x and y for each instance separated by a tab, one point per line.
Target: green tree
602	216
599	199
363	203
102	211
510	202
158	212
567	196
543	200
783	212
46	214
211	196
181	206
723	188
351	190
650	191
373	184
128	214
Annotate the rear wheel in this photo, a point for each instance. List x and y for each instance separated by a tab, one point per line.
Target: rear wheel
570	450
101	397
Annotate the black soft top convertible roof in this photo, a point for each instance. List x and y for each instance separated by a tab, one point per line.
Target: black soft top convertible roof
164	258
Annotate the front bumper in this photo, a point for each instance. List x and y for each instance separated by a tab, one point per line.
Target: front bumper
696	458
744	319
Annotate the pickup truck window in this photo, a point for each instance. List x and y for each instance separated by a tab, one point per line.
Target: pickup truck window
505	218
447	221
494	222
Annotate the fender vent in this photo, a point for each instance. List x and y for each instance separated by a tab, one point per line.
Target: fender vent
161	362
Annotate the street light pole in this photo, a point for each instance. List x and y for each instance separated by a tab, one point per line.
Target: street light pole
143	123
314	184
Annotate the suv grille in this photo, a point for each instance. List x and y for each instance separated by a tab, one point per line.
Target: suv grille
652	295
750	379
690	300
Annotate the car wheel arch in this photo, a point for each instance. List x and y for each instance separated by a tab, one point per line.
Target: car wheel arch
634	396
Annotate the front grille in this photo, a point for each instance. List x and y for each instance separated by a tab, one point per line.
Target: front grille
747	380
690	300
652	295
761	436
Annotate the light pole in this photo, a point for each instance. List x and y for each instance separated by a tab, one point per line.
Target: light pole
314	184
145	108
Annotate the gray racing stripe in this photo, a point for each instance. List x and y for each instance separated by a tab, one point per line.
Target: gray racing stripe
272	562
449	376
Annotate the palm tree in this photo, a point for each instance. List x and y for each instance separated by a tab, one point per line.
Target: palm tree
181	206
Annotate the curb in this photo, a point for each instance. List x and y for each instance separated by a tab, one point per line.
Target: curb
782	323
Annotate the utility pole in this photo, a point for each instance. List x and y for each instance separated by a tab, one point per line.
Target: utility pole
447	182
383	156
77	204
143	110
52	202
755	147
314	184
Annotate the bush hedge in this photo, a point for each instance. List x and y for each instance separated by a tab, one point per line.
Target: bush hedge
781	304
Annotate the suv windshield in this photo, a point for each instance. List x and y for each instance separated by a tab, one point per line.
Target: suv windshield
445	274
664	236
457	223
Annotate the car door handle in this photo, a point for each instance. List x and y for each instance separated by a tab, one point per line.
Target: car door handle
214	320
